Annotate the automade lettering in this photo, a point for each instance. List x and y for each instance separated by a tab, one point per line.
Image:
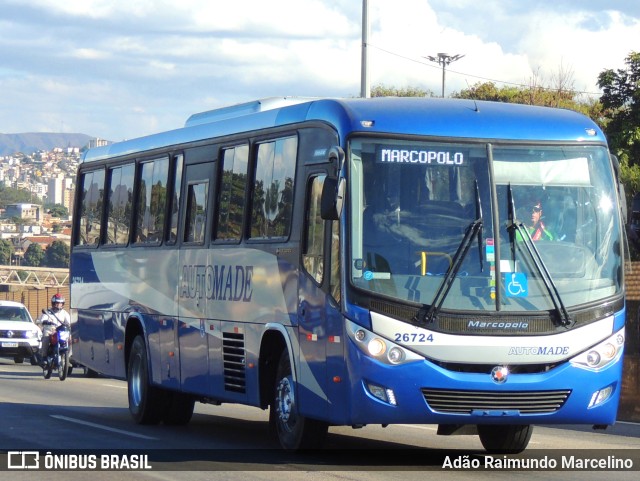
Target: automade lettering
217	282
407	156
539	351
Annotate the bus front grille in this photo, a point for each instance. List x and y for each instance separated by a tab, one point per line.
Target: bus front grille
233	354
452	401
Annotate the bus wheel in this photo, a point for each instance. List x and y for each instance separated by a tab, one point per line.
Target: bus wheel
146	402
505	439
293	430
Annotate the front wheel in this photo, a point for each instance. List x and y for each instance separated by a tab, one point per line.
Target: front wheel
48	370
146	402
63	365
294	431
505	439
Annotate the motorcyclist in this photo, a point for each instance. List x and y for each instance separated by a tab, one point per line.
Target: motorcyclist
49	320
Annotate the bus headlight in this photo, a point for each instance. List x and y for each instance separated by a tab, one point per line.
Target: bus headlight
379	348
376	347
602	354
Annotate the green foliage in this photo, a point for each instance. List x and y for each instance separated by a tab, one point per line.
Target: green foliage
6	251
57	210
533	95
34	255
57	255
384	91
9	195
621	104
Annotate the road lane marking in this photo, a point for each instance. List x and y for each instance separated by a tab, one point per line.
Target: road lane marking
105	428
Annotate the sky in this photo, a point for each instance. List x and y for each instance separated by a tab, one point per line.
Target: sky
119	69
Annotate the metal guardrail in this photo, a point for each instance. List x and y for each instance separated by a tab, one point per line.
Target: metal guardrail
36	277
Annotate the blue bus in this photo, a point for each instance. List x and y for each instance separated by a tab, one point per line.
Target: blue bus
357	261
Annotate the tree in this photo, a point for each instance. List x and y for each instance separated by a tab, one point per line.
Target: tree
57	210
384	91
34	255
57	255
6	251
9	195
621	103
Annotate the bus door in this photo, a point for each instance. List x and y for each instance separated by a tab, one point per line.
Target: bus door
314	334
195	322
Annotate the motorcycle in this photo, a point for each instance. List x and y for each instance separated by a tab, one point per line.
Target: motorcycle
58	353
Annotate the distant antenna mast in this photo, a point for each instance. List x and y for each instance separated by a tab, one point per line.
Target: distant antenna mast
365	87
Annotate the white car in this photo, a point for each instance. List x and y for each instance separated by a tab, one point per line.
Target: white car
19	335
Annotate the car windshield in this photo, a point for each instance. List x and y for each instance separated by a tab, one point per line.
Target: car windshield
412	203
14	313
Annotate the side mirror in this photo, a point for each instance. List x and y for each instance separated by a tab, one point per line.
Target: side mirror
332	199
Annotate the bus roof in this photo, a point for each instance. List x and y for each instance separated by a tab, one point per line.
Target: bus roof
454	118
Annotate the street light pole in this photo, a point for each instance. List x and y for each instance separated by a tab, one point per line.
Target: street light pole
365	87
444	59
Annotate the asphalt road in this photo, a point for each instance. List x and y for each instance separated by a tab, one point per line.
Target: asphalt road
84	416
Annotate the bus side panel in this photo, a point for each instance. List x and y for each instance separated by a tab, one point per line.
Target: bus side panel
312	359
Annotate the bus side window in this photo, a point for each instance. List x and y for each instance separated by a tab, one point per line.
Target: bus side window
197	195
92	201
151	203
273	188
120	204
174	208
232	190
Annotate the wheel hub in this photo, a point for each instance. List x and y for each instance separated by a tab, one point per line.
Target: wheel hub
285	399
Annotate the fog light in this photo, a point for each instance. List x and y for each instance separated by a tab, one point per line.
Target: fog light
376	346
396	355
601	396
593	358
391	397
386	395
378	392
360	335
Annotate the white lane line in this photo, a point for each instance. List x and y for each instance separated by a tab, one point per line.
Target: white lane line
100	426
117	386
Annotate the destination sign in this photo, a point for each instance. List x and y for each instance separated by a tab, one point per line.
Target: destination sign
419	156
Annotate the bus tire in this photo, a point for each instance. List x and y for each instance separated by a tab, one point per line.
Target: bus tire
146	402
505	439
294	431
179	408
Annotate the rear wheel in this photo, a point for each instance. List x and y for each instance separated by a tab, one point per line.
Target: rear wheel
505	439
63	365
146	402
294	431
47	371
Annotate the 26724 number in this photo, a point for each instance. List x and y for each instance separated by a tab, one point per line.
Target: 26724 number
413	337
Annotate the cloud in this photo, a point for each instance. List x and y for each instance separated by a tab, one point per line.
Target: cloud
119	69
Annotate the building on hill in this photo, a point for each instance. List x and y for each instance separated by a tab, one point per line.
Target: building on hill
24	211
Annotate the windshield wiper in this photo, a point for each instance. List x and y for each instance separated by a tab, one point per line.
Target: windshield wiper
473	229
515	226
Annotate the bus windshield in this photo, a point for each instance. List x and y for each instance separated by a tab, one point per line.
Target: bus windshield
545	224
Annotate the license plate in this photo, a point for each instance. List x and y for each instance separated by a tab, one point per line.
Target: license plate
9	344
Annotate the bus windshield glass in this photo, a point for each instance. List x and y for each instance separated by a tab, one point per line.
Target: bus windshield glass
544	219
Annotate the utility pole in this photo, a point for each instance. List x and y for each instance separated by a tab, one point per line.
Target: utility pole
444	59
365	87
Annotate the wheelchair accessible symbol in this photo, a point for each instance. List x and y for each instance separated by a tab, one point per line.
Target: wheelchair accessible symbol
516	284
